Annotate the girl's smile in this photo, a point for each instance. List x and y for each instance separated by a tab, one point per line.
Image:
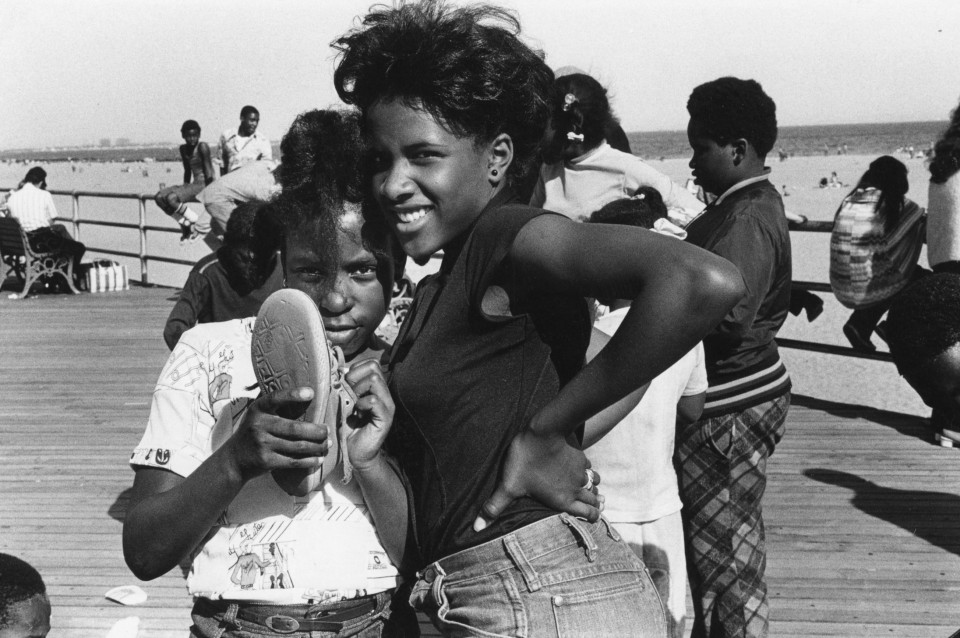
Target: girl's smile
431	183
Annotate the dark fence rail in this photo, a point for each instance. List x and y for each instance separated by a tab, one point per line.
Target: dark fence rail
145	257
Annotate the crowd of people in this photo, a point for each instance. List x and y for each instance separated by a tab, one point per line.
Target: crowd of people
589	317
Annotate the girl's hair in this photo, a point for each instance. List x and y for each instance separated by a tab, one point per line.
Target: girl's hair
320	177
581	110
465	66
946	152
643	209
321	157
889	176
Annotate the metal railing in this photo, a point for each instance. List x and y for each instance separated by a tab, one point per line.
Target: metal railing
145	257
141	226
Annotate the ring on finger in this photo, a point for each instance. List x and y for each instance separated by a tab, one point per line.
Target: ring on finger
590	475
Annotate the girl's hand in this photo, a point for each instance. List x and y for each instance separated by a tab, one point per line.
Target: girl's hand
265	441
372	416
546	467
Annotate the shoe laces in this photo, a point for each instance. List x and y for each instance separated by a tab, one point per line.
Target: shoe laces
347	399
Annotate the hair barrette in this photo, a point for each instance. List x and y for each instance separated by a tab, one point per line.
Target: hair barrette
639	196
575	137
569	100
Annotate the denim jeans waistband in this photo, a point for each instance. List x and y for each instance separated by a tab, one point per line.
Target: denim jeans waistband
511	550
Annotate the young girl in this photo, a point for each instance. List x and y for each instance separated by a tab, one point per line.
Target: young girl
486	373
263	562
874	248
582	172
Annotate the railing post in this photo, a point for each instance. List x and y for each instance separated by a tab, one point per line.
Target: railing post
143	240
76	215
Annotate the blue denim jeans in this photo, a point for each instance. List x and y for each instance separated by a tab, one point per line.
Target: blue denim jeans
559	577
390	617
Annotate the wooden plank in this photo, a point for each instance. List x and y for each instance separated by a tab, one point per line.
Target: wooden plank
862	511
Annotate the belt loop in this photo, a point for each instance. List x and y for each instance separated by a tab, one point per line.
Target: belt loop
437	584
230	616
611	530
530	576
577	527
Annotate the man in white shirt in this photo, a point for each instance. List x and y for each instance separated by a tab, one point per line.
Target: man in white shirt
244	145
33	206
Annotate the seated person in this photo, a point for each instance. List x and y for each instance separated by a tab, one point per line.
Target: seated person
253	181
24	606
197	173
923	332
33	206
233	282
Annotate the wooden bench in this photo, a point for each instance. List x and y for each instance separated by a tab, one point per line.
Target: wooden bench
48	258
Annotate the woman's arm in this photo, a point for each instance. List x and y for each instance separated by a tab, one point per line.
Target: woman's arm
170	515
679	292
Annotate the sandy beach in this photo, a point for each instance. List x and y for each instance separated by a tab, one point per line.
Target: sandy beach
876	384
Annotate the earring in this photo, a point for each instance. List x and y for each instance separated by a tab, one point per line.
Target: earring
494	172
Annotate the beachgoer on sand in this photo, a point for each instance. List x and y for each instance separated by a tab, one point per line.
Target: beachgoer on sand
722	457
486	370
875	245
266	562
581	171
636	453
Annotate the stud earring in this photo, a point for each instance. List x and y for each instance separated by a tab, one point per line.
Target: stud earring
494	172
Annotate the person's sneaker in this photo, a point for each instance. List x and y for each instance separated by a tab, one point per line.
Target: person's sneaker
289	350
814	307
881	331
857	339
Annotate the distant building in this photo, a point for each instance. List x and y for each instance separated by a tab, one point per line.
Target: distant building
122	141
105	142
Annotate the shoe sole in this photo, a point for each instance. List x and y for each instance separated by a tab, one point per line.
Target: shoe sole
289	350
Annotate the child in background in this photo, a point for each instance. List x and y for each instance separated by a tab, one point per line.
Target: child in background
233	282
265	562
581	171
486	370
24	606
197	173
721	458
874	248
639	481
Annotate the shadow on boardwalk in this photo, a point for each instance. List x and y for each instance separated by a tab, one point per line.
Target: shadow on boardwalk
929	515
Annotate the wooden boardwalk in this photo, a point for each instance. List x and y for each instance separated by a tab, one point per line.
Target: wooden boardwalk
862	511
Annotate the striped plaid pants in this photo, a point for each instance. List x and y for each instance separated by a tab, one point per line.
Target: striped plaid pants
721	465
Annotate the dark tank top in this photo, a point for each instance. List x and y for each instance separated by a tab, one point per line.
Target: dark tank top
466	379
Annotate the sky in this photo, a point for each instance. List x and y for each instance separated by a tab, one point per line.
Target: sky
77	71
